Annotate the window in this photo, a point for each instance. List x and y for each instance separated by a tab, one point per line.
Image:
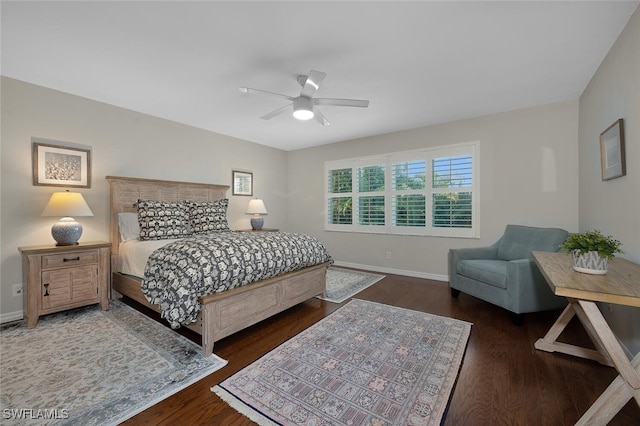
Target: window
370	199
408	192
452	200
340	201
426	192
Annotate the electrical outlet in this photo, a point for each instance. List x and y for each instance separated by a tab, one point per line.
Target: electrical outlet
388	255
17	289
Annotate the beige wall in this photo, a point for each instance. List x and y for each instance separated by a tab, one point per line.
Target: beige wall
614	206
123	143
528	176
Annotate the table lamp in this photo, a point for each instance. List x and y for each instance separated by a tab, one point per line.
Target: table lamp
67	231
257	209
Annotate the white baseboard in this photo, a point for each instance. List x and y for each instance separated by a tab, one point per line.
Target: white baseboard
414	274
11	316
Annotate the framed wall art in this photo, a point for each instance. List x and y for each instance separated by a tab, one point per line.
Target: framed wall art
612	151
242	183
59	165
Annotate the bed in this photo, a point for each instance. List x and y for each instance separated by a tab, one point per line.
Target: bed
220	314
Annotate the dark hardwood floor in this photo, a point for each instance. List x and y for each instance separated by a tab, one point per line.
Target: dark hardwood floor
504	380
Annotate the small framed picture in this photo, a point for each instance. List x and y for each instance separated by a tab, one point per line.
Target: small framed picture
612	151
242	183
59	165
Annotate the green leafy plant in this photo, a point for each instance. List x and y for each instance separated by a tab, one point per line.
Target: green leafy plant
592	241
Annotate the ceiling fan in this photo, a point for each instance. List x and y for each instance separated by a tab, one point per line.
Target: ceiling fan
304	104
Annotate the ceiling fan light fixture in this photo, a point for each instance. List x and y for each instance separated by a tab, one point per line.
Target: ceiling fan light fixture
303	108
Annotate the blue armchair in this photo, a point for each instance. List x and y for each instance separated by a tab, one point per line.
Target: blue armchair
505	273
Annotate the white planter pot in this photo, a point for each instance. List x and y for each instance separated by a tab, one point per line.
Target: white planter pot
589	263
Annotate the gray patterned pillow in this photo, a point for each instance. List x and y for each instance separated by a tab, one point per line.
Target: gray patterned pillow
209	216
162	220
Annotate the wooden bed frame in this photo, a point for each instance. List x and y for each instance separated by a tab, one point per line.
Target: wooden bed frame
222	313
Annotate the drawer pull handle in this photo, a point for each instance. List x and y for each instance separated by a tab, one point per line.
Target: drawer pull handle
71	260
46	289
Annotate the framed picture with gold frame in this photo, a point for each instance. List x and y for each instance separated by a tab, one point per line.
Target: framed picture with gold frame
59	165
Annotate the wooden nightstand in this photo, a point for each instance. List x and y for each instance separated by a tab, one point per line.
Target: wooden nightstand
57	278
259	230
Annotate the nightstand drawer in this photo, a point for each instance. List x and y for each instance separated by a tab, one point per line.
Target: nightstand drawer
69	259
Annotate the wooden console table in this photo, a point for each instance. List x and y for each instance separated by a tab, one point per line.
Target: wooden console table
621	285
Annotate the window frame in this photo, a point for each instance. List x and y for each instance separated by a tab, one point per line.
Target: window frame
471	149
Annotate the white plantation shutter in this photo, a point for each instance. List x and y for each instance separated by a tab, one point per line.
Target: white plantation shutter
453	197
371	210
452	210
340	188
452	172
424	192
409	193
371	187
452	200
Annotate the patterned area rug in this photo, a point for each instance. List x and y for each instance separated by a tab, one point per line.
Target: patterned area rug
342	284
94	367
365	364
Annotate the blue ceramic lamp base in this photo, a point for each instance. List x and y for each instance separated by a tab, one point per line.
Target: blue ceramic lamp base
66	232
257	223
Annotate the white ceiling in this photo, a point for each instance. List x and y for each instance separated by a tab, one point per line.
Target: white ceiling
419	63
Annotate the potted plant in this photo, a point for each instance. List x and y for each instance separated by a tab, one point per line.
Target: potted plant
591	251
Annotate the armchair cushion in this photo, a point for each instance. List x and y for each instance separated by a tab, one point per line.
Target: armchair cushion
492	272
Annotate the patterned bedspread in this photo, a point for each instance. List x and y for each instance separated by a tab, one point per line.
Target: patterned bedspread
180	272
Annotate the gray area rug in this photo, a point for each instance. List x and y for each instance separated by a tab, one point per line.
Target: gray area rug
94	367
343	284
365	364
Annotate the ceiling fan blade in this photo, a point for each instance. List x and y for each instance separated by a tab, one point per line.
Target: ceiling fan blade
311	86
264	92
341	102
276	112
320	118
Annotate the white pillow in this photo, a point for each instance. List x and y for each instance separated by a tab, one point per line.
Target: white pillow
128	226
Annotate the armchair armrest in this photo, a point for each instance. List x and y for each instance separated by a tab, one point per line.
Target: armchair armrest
528	289
521	274
490	252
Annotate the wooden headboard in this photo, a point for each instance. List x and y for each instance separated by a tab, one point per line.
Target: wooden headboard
126	191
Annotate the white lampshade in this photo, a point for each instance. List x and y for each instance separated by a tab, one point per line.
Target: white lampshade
303	108
256	206
66	204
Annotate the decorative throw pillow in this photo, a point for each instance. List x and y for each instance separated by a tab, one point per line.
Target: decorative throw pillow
208	216
162	220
